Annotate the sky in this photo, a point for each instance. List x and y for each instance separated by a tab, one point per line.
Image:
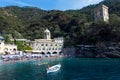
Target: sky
50	4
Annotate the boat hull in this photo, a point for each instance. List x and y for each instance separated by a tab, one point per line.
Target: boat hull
54	68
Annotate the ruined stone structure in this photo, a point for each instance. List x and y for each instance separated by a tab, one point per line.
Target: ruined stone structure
101	13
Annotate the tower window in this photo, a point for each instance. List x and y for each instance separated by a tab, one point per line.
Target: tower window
47	33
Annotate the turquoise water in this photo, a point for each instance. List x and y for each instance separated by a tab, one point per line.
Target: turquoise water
72	69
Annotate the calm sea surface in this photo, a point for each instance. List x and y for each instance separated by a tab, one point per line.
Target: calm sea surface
72	69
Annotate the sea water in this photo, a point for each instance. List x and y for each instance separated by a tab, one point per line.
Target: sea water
72	69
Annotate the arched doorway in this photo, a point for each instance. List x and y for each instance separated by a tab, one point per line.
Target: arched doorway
54	53
48	53
6	51
60	52
42	53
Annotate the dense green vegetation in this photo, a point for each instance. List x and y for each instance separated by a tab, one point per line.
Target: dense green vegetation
76	26
22	46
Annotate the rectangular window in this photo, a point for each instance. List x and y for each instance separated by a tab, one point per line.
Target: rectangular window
43	48
52	48
42	44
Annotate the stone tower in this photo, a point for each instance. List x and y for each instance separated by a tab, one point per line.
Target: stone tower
101	13
47	34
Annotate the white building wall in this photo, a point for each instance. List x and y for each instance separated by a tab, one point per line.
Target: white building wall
47	47
7	48
10	48
1	46
47	44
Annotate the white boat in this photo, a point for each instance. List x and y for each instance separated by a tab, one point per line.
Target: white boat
54	68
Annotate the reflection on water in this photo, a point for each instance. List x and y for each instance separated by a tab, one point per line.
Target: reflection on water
72	69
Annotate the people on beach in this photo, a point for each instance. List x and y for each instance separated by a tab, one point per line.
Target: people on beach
23	57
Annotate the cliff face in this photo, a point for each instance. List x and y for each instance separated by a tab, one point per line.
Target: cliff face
98	52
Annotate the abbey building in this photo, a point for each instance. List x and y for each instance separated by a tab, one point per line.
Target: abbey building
47	45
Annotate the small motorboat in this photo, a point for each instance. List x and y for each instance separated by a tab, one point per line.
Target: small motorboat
54	68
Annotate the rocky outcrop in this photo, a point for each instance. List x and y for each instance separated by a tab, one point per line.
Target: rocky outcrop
107	53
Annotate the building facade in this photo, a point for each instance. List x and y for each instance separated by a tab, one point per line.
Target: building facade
47	45
10	49
101	13
6	48
1	45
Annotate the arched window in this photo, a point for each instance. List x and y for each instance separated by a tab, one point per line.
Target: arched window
14	49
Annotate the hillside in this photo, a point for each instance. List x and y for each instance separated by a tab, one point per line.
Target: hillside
77	26
114	8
